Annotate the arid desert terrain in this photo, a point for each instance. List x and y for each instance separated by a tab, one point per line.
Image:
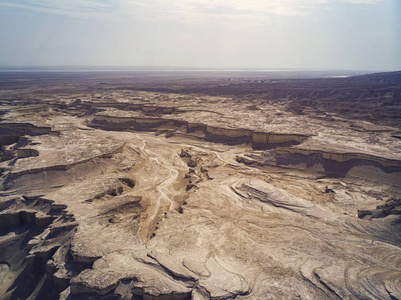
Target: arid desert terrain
200	185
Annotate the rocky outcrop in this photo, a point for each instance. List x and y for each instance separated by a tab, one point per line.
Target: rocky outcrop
146	109
34	245
391	207
229	136
11	132
262	140
139	124
12	175
26	152
332	164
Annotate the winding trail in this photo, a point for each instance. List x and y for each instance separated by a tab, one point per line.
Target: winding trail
163	187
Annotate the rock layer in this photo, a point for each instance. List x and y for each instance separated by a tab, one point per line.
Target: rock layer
229	136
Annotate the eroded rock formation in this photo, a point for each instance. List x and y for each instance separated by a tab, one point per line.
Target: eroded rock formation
127	194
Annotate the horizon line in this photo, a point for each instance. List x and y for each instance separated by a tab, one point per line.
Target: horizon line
172	68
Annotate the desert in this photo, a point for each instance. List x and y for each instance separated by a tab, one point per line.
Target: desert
200	185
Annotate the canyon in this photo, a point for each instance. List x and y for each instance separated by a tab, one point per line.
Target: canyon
180	185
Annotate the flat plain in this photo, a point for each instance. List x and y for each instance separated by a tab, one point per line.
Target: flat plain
200	185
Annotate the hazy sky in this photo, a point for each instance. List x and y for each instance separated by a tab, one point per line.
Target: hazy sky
336	34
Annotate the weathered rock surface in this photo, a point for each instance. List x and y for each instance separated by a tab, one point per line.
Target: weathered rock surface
128	194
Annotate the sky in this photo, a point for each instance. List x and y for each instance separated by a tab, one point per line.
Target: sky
222	34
